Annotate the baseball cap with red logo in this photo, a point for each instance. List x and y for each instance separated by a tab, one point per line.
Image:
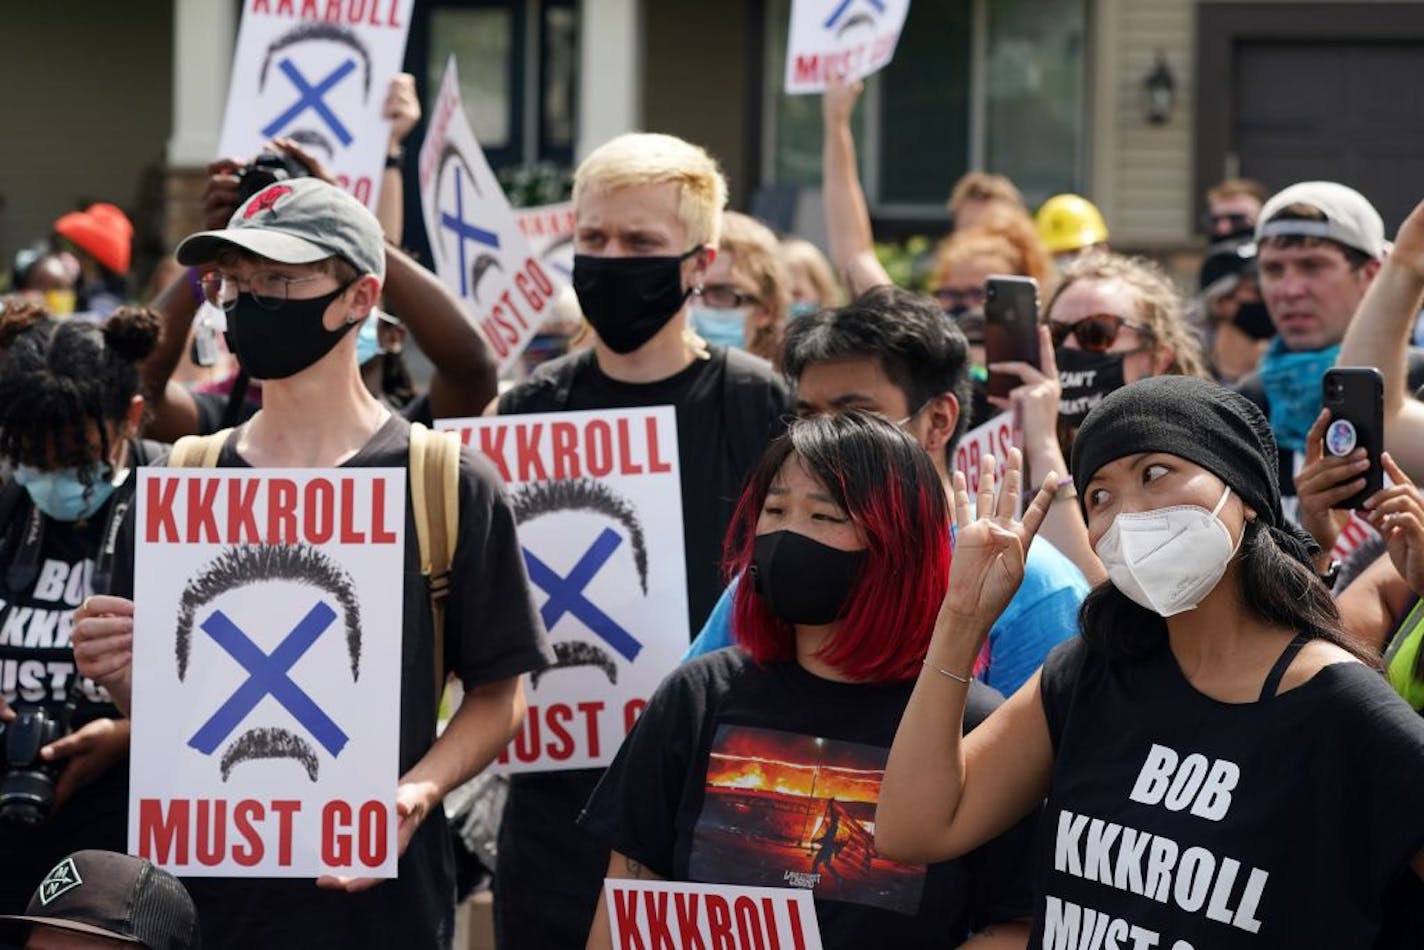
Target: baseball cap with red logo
299	221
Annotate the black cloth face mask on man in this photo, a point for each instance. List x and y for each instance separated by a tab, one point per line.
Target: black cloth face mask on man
628	300
284	340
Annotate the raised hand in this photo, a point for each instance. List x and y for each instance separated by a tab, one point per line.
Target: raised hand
1325	481
1397	513
991	544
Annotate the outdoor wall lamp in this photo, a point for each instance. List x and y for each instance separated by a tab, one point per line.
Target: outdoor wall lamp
1160	87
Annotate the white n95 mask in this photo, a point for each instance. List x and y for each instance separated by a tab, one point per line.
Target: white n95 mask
1168	560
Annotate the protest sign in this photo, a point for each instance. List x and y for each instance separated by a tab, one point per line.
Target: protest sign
266	685
317	73
479	250
709	915
599	504
845	39
549	229
995	438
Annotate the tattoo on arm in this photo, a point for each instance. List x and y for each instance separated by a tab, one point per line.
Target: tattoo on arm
635	868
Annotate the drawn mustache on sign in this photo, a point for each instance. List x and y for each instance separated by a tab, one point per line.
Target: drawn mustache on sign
269	743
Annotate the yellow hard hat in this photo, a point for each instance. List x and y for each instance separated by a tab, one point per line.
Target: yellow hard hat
1070	223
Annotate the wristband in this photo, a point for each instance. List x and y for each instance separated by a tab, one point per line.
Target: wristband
396	159
962	680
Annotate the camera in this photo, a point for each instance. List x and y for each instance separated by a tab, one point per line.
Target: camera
268	168
27	781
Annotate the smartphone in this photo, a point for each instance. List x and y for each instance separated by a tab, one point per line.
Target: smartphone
1010	327
1355	397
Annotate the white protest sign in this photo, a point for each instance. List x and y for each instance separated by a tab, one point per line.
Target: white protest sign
317	73
550	232
995	438
709	915
848	39
479	250
266	684
599	504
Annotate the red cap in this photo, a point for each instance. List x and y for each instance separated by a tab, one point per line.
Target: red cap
103	232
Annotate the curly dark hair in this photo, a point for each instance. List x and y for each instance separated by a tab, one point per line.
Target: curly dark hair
57	378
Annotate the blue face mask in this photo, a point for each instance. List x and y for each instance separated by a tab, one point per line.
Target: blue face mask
1292	384
61	494
368	345
720	326
804	308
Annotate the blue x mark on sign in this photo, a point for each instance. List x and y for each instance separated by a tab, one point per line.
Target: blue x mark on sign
310	97
845	5
464	230
267	676
566	593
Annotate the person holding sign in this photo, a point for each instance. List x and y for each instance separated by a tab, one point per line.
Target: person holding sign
1211	721
648	215
69	413
762	765
292	319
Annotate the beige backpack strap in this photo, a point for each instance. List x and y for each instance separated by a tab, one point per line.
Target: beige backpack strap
435	502
198	451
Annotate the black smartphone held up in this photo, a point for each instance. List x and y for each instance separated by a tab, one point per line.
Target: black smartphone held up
1010	327
1355	397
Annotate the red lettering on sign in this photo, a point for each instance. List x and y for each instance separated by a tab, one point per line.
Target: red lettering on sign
163	833
793	909
526	440
656	906
566	459
685	906
335	848
626	465
317	509
243	815
492	445
212	831
625	912
349	533
657	465
380	534
591	710
748	924
281	511
598	448
719	923
558	715
631	711
159	510
201	495
241	519
284	809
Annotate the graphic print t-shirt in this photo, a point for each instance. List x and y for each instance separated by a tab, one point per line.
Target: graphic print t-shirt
1175	820
769	776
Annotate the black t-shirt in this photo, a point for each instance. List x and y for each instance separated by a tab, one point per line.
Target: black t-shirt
728	407
212	407
1278	823
492	632
37	669
768	776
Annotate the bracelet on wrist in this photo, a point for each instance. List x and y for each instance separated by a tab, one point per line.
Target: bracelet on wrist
962	680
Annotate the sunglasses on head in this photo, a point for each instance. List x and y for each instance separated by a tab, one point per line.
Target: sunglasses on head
1096	332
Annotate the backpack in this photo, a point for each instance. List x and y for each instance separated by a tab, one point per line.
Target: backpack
435	501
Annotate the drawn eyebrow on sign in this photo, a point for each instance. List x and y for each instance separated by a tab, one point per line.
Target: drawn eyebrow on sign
569	653
583	494
269	743
254	563
483	264
320	31
860	19
311	138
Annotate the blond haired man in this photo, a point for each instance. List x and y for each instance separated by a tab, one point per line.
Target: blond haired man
648	216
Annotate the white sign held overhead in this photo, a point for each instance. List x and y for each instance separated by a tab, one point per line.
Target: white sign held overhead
317	73
479	250
840	39
266	687
598	501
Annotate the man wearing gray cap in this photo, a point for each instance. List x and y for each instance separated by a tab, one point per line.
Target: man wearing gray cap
1319	246
297	270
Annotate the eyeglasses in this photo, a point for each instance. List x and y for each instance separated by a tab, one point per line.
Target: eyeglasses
951	298
1096	332
269	289
726	296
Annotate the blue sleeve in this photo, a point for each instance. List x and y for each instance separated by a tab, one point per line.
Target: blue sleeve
716	633
1042	615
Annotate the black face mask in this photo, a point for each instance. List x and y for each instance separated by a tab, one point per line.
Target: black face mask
275	344
1085	377
1254	320
802	580
629	299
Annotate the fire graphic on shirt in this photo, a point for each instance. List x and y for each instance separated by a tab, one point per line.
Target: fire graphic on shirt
785	809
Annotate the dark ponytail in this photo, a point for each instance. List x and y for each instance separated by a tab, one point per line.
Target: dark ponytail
1275	587
59	378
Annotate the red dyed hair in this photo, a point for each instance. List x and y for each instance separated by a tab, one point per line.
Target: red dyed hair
886	483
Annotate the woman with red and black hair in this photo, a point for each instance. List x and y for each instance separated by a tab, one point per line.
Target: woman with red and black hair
760	764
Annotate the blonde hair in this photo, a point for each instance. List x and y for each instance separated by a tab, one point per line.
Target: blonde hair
799	253
651	158
984	186
972	245
756	257
1159	306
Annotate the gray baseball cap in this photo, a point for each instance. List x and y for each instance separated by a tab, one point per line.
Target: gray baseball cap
298	221
1350	219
